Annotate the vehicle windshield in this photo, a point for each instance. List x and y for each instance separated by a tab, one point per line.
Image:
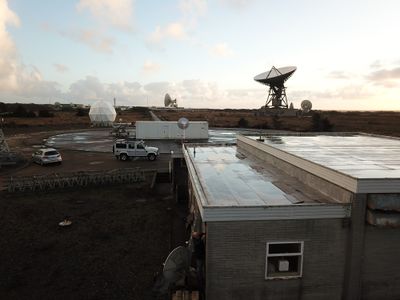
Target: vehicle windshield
48	153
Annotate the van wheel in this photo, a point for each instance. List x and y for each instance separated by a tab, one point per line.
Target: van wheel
151	157
123	157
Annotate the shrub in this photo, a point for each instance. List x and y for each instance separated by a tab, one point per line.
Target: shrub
243	123
44	113
3	107
320	123
276	122
81	112
20	112
31	114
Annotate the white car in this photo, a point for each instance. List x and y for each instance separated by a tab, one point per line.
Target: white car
47	156
125	149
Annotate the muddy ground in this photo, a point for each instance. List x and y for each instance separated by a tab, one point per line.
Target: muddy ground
117	241
119	237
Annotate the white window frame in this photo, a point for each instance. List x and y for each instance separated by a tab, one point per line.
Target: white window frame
299	254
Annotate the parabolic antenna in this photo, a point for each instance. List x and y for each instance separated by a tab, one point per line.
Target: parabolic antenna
176	268
183	123
168	102
306	106
177	262
275	79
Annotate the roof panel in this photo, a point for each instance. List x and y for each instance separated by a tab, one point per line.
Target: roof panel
230	179
359	156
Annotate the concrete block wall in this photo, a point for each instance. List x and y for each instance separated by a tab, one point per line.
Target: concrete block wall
380	272
236	257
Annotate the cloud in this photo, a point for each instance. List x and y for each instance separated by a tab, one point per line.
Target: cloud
191	10
150	67
221	50
190	93
174	31
8	52
60	68
385	77
351	92
16	79
94	39
193	7
237	4
89	88
117	13
376	64
339	75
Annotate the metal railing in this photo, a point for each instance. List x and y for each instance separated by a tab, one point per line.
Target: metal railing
58	181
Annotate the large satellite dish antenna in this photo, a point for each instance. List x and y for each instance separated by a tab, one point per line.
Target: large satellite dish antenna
306	106
168	102
275	79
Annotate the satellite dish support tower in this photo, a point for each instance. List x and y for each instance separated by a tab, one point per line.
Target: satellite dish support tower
277	94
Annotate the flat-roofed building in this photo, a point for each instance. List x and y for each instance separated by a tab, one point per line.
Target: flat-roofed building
293	217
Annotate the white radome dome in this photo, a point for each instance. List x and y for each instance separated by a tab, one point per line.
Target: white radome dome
102	112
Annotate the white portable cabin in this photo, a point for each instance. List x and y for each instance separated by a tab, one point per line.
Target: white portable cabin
159	130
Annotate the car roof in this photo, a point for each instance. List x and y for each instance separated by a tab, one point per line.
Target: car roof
128	141
48	149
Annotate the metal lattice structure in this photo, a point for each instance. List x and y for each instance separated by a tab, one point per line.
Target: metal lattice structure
78	179
3	143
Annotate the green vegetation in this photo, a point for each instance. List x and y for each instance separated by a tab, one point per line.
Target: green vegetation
320	123
243	123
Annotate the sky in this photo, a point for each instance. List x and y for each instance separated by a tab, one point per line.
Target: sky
204	53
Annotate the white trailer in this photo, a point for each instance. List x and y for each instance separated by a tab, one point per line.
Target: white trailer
160	130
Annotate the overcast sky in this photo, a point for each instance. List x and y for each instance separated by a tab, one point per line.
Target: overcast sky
205	53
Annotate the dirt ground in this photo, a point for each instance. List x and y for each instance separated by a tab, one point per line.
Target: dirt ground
119	237
117	241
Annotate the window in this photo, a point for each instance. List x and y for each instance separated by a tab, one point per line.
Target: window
120	146
284	260
131	146
139	146
48	153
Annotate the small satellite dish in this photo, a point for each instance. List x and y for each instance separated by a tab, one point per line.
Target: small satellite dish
176	268
168	102
183	123
176	262
306	106
65	222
